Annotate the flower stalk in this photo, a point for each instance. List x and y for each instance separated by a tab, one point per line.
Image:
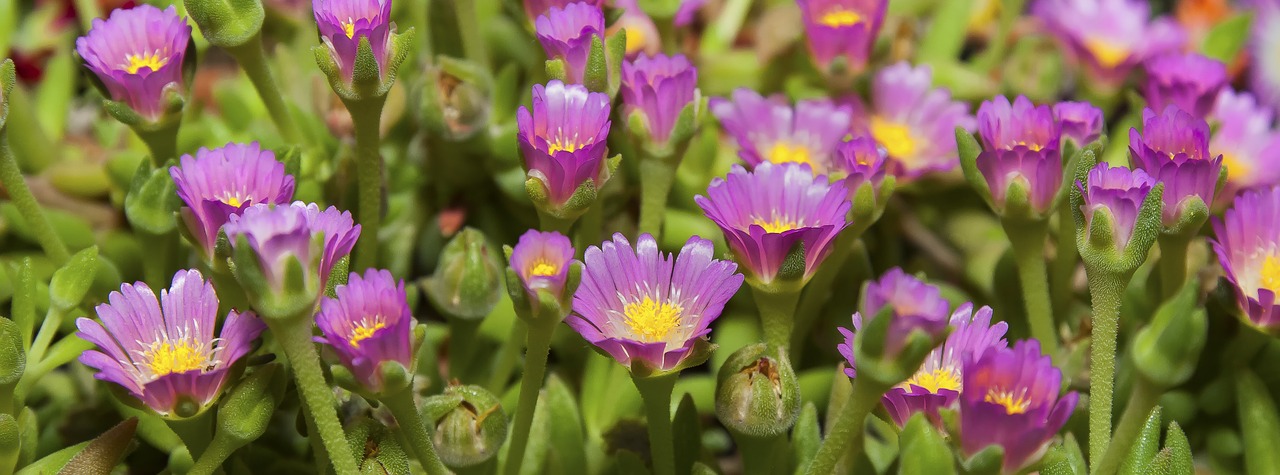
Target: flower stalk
1107	292
656	390
1027	240
1142	399
366	115
777	313
400	403
656	178
294	336
538	345
845	436
196	432
253	59
13	181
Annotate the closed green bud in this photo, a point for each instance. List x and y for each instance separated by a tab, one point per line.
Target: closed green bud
10	443
245	412
1167	350
227	23
757	392
70	283
467	284
470	425
457	100
152	200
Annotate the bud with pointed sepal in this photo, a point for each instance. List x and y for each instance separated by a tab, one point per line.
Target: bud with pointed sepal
573	37
1117	214
662	104
362	51
757	392
466	283
470	425
907	319
862	162
563	141
542	275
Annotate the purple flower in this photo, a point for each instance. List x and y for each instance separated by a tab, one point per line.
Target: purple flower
1120	192
1109	36
566	35
862	160
218	183
1079	121
278	233
563	139
541	260
536	8
1248	246
770	130
1264	78
767	212
368	324
1021	144
938	382
659	87
137	54
342	23
642	33
915	306
1190	81
914	122
845	28
1174	149
1249	146
641	304
1010	399
163	351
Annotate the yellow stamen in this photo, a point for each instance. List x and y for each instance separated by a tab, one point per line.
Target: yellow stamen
1109	55
934	381
349	27
895	138
1271	274
785	152
1035	147
152	61
778	224
1236	169
1013	403
635	39
365	330
167	357
840	18
651	321
542	268
561	145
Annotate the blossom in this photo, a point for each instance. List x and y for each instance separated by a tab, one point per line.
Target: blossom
1174	149
770	130
914	306
1190	81
536	8
1118	191
1264	79
369	323
1020	144
1248	246
1079	121
659	88
563	139
862	161
1250	147
914	122
278	233
845	28
217	183
566	34
766	213
342	23
162	351
641	305
542	260
642	33
137	54
1109	36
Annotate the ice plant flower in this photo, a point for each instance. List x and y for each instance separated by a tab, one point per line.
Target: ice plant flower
541	260
137	54
914	305
563	139
1248	246
938	382
659	88
770	130
1109	37
773	211
369	323
642	306
163	351
1080	122
1264	40
914	122
217	183
566	34
1250	147
1010	399
1174	149
536	8
343	23
861	160
1020	145
842	28
278	233
642	33
1119	192
1190	81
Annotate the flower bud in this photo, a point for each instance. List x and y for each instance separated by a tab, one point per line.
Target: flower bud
13	359
573	37
458	98
661	103
152	201
1021	161
1117	213
227	23
470	425
466	284
863	163
1081	122
378	448
361	51
907	318
757	393
246	412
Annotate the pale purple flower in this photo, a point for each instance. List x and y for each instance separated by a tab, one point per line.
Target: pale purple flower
137	53
1243	133
1110	37
542	260
842	28
566	34
369	323
278	233
659	88
914	122
771	130
342	23
1020	144
1190	81
217	183
1174	149
563	140
1081	122
914	306
1248	247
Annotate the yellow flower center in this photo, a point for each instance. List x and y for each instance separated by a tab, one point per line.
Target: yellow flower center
1034	147
1014	403
1108	54
1236	168
167	357
635	39
934	381
349	27
778	224
1271	274
895	138
152	61
651	321
561	145
365	330
785	152
840	18
542	268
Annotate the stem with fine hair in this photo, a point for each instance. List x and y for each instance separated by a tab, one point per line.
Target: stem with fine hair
253	59
845	435
28	207
777	314
218	452
535	367
1173	263
401	405
366	116
196	432
294	336
656	178
162	142
549	222
1106	291
506	360
656	393
1027	240
1144	397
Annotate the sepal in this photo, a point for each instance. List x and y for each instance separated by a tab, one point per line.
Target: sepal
868	204
700	353
968	148
1144	447
458	98
870	345
465	283
13	358
246	411
71	283
987	461
227	23
924	448
469	425
1064	458
152	203
1192	213
757	392
296	296
1096	242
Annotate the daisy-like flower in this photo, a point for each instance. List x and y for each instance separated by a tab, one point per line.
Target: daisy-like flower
837	28
217	183
914	305
659	88
914	122
278	233
536	8
566	34
369	323
342	23
1174	149
640	305
1250	147
1010	399
770	130
1248	246
862	161
541	261
1190	81
766	213
1119	192
1110	37
642	33
1020	144
163	351
563	138
137	54
1081	122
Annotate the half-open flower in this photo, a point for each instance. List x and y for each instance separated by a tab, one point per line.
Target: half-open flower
642	306
217	183
1248	246
1190	81
137	54
1020	145
1250	147
536	8
1109	36
563	140
771	130
278	234
658	89
541	261
1174	149
369	323
842	28
914	122
776	214
913	305
343	23
861	160
163	351
1120	193
566	34
1080	122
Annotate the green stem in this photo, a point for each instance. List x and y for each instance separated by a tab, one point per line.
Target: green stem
1173	263
462	336
28	207
1106	291
1027	240
196	432
759	454
472	33
213	457
506	359
547	222
48	328
656	393
1064	261
535	367
845	435
367	118
253	59
161	142
401	405
777	314
1144	397
86	11
656	178
721	33
588	230
294	336
820	288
